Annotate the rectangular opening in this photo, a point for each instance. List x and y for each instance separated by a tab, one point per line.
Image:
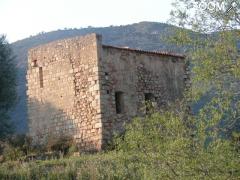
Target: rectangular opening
41	77
119	102
149	102
34	63
106	76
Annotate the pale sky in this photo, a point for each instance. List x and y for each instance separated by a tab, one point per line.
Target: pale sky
21	18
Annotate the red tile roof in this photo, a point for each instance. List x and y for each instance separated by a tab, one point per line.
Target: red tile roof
146	52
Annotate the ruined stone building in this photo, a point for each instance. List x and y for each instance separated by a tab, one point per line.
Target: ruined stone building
82	88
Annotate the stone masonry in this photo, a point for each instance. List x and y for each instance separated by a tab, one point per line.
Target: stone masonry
81	88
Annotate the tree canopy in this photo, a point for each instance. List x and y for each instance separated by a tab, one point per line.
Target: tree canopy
7	86
214	56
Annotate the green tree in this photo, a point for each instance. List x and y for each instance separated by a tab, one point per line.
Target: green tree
214	55
7	86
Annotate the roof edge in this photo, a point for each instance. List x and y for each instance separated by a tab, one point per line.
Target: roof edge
158	53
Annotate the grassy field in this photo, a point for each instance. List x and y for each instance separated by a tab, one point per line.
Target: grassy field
157	147
98	166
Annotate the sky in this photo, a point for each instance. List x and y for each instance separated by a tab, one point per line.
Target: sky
22	18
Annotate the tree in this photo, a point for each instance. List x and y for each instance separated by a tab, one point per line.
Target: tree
214	55
7	86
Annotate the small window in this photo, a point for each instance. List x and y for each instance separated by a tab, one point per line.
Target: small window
41	77
34	63
150	102
119	102
106	76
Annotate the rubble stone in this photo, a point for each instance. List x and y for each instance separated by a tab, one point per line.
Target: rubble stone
72	85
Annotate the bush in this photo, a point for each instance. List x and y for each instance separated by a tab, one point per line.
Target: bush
11	153
163	145
62	144
72	149
15	147
21	141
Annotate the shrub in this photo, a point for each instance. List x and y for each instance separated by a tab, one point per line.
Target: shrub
72	149
11	153
21	141
163	145
15	147
60	144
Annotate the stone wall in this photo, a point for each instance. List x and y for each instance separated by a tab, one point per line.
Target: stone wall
65	100
72	86
136	74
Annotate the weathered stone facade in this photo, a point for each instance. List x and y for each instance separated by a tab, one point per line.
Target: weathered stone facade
87	90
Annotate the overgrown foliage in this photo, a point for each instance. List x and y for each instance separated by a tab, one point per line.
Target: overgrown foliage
63	144
172	144
159	146
16	147
167	144
214	57
21	148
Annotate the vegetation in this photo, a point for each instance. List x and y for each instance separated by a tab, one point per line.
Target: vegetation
7	87
214	59
159	146
171	144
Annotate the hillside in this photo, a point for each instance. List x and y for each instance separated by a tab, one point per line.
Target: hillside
143	35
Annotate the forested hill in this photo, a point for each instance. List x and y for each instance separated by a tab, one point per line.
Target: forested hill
143	35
